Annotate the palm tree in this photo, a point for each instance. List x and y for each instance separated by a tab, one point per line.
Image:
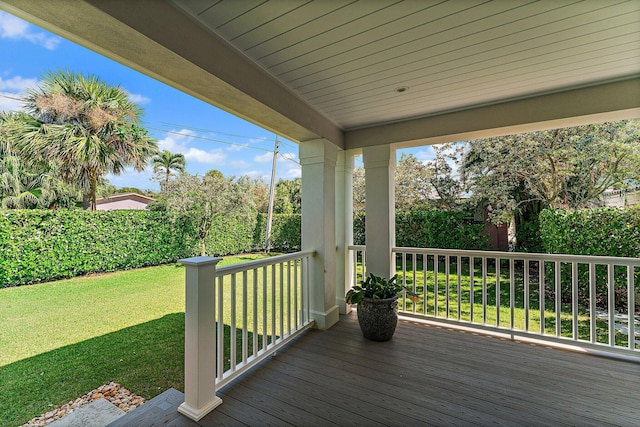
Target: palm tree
166	161
86	127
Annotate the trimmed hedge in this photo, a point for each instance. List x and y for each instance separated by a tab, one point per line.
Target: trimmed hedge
43	245
432	229
286	232
231	235
602	232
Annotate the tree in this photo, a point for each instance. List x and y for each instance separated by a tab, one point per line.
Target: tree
165	162
205	199
25	186
85	126
444	184
517	176
288	198
413	183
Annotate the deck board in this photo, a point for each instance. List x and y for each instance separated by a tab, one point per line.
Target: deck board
429	375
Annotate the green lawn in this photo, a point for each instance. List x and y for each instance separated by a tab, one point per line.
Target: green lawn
458	297
61	339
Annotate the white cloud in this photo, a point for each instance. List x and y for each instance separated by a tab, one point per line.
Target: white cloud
17	83
264	158
213	157
292	172
240	164
16	29
426	155
139	99
177	141
256	174
8	102
237	147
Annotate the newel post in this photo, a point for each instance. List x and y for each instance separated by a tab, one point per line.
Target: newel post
199	338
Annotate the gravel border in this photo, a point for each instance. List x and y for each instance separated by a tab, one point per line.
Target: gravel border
113	392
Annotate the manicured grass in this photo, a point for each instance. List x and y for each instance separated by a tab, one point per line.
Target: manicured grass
59	340
454	301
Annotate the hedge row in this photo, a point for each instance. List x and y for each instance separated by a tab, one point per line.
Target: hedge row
43	245
601	231
234	235
46	245
432	229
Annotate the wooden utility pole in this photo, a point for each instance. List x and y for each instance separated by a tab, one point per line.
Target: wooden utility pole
272	195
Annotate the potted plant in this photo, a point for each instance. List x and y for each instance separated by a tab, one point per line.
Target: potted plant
377	300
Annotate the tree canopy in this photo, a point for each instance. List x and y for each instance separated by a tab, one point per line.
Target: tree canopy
84	127
561	168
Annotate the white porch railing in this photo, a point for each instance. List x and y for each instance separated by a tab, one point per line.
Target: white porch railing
235	317
585	301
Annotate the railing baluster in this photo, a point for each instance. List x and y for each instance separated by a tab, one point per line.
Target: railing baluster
484	290
425	292
245	332
631	307
265	321
288	297
472	286
459	272
611	285
296	266
274	313
558	295
541	294
255	312
592	302
512	292
232	326
435	284
447	272
220	333
574	300
281	305
498	292
404	280
415	266
525	275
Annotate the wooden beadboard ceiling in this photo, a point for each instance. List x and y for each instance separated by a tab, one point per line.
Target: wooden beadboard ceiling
346	58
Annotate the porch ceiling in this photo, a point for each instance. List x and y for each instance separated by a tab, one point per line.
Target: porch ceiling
332	68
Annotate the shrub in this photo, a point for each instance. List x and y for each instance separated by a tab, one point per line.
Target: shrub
602	232
37	245
432	229
286	232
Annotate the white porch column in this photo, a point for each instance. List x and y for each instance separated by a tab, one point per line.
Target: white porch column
380	232
199	338
318	160
344	226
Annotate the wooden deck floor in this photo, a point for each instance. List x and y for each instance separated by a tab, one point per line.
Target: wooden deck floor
429	375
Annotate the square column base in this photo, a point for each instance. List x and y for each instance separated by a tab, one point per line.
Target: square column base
197	414
327	319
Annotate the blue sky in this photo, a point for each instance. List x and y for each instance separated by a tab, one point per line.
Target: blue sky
208	137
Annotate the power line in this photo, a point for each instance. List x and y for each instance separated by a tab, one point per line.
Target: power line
217	132
292	159
11	97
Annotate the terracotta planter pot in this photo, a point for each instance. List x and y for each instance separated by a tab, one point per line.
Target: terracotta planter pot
378	318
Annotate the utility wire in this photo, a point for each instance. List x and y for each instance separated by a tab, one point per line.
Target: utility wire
223	142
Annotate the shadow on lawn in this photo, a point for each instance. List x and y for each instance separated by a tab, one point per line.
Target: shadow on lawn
147	359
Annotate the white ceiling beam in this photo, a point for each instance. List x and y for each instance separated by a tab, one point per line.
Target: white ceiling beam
606	102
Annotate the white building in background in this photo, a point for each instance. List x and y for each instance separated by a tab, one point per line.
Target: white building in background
621	198
123	201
